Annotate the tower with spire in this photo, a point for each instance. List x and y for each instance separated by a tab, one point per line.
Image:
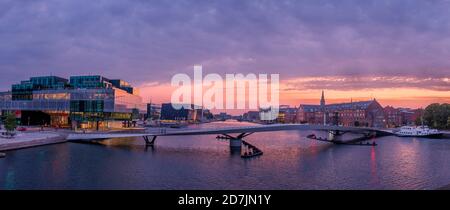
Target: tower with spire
322	107
322	100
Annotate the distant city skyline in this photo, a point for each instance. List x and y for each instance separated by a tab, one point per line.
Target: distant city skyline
394	51
404	97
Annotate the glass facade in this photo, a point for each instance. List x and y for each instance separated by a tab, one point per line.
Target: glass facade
50	82
89	106
95	81
24	90
123	85
83	100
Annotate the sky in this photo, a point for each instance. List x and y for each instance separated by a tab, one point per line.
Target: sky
395	51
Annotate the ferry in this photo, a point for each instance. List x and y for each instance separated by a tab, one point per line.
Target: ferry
419	131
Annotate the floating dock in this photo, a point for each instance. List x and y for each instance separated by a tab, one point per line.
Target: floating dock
252	150
356	141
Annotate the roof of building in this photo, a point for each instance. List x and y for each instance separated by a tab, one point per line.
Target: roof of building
339	106
310	107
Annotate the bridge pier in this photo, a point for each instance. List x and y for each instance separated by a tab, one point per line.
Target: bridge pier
149	142
335	136
236	143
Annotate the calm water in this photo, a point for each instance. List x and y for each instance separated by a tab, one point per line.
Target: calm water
290	161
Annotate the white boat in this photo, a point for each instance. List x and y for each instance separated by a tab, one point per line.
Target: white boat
419	131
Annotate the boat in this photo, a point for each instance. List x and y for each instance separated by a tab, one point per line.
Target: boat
419	131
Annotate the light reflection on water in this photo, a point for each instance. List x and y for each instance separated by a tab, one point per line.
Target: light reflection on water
290	161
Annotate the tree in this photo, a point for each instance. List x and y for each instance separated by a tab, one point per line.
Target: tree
437	115
429	115
448	122
10	123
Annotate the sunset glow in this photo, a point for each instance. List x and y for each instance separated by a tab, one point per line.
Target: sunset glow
405	92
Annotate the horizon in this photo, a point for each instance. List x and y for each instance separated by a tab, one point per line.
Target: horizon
313	97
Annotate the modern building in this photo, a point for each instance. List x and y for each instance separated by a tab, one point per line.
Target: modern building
153	111
362	113
222	116
170	114
88	102
287	114
206	115
251	116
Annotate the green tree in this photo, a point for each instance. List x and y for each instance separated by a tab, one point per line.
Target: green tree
10	123
448	122
437	115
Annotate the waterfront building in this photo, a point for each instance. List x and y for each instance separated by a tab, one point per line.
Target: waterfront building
170	114
251	116
222	116
286	114
393	117
411	116
396	117
80	102
207	115
153	111
362	113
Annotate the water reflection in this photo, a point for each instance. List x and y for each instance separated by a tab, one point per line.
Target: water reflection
290	161
373	166
235	151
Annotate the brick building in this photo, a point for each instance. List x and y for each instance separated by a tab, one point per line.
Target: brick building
362	113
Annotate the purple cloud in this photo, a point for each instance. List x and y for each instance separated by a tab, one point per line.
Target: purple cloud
148	41
345	83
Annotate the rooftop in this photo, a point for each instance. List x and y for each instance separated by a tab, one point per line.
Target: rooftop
338	106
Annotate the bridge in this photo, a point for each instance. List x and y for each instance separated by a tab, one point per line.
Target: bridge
236	134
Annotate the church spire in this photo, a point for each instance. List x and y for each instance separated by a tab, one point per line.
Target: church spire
322	107
322	100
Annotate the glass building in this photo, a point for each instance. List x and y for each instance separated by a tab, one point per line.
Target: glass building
92	102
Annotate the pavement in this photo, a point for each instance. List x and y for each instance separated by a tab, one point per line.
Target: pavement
30	139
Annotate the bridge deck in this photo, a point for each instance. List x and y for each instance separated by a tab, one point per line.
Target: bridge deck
227	130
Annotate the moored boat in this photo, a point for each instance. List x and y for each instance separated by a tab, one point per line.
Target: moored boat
419	131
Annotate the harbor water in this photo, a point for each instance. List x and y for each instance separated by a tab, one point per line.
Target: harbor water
290	161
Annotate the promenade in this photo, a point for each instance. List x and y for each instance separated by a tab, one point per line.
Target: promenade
31	139
34	137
